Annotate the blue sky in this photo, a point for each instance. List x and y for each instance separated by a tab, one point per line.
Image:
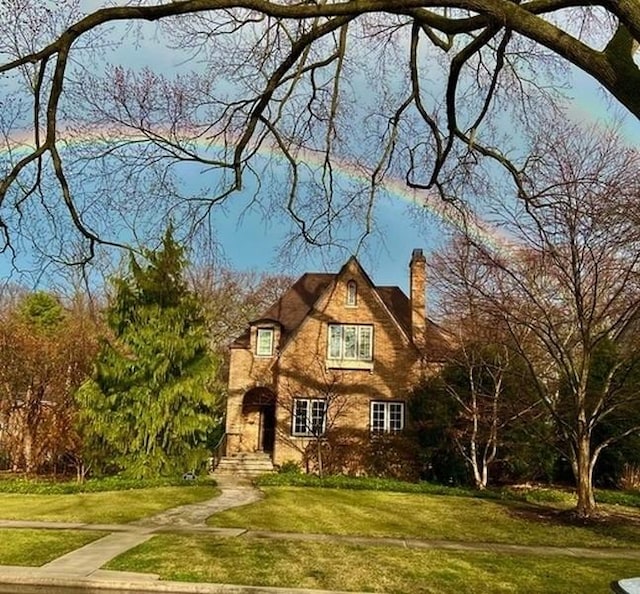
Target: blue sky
251	242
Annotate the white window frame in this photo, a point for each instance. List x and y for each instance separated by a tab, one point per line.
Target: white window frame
263	332
311	409
341	350
381	419
351	297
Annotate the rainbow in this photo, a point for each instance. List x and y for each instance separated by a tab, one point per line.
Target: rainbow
468	223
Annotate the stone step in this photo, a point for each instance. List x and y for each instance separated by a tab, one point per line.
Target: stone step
246	463
242	458
248	456
239	473
247	459
256	467
263	465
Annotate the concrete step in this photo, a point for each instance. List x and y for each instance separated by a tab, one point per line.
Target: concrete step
248	456
245	464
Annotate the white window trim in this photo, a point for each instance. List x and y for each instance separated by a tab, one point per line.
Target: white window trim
358	361
387	405
271	341
308	432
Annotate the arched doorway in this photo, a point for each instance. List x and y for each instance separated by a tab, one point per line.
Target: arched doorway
263	401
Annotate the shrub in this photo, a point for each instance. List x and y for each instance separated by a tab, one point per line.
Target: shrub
290	467
630	478
42	486
393	456
338	452
356	453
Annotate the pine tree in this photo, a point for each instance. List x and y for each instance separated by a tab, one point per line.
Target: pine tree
151	406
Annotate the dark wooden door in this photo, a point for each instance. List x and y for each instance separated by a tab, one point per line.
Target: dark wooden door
268	428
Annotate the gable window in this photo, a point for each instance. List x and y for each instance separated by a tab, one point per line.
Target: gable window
350	342
352	294
309	417
264	342
387	417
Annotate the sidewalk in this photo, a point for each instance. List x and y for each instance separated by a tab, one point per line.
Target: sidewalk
79	570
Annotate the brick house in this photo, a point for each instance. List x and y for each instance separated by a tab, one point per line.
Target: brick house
335	351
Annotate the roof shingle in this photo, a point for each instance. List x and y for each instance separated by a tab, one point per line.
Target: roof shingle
294	306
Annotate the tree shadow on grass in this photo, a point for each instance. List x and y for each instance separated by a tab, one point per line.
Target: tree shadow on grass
609	521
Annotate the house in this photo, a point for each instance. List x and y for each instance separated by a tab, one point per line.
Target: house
336	352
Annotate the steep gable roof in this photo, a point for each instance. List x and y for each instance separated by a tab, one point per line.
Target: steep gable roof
398	304
292	308
436	339
394	304
298	301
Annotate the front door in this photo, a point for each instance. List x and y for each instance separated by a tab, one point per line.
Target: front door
267	428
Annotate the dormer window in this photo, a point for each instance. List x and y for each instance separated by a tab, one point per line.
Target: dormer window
264	342
352	294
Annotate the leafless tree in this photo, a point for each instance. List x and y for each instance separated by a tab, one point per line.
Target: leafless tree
478	372
413	89
329	406
230	300
233	298
480	400
46	354
567	288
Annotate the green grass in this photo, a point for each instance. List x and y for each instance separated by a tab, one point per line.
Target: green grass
536	494
10	483
33	548
363	483
203	558
410	515
105	507
627	498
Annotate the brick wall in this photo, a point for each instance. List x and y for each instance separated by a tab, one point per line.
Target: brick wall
301	371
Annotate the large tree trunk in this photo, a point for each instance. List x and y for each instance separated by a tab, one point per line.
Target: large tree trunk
583	473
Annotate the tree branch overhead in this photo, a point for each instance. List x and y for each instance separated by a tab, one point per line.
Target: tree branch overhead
291	80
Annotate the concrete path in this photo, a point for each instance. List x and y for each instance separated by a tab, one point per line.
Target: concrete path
79	570
91	557
236	492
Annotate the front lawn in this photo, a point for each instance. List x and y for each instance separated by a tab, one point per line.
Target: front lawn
410	515
48	485
104	507
33	548
204	558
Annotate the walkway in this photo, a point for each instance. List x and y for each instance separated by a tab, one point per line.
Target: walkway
80	570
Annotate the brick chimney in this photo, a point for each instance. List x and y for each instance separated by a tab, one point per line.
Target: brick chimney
417	298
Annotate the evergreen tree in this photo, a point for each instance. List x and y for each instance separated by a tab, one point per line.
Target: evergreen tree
151	404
